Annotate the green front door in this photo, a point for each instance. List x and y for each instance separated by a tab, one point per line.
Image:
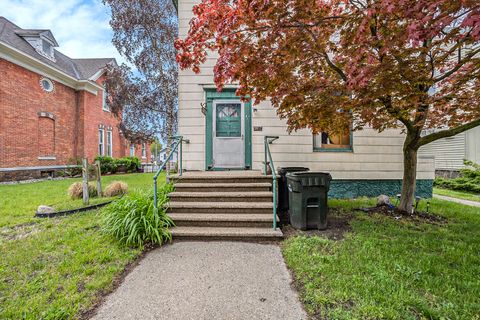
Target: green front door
228	136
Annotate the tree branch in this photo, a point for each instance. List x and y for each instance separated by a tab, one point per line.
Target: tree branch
448	133
335	67
458	66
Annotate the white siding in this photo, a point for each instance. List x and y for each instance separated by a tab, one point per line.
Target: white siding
473	144
375	155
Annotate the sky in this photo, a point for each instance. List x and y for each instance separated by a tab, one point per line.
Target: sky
81	27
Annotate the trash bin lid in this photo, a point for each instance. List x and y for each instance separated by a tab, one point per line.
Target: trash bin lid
310	178
284	170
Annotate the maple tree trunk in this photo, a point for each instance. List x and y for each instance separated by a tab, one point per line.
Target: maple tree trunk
409	173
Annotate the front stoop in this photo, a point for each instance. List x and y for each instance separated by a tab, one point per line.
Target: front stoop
223	206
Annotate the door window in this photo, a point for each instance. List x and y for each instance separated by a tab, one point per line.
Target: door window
228	120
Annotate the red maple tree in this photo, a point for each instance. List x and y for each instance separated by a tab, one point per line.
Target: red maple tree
410	64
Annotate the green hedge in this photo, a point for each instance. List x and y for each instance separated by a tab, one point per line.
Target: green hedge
469	179
112	165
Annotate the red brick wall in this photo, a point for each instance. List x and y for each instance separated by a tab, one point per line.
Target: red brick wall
95	116
25	135
21	99
138	152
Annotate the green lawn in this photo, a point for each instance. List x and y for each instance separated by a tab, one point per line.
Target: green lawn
457	194
392	269
19	202
55	268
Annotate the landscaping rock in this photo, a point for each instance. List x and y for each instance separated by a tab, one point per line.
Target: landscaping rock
383	200
42	209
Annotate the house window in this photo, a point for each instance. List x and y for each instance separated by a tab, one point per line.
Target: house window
105	106
47	85
333	142
109	143
132	150
47	48
144	150
101	142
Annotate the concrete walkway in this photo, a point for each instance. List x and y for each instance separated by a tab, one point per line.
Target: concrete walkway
206	280
461	201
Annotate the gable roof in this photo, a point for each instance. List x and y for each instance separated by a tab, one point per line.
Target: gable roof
80	69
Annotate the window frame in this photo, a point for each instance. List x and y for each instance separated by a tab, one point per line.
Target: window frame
101	142
105	107
320	149
144	150
132	150
109	143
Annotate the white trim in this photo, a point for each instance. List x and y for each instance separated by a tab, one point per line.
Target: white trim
47	158
12	169
28	62
97	75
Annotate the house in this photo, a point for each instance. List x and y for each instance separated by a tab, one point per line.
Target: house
449	153
226	133
163	156
53	108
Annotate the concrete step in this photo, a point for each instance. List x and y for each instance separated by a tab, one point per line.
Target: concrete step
249	196
228	177
222	220
221	233
220	207
222	187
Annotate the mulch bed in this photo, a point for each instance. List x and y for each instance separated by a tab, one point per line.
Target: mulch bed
338	222
337	225
416	216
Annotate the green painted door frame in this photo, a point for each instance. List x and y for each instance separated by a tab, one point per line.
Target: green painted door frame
226	94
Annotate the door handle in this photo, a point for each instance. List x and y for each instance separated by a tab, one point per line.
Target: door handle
242	136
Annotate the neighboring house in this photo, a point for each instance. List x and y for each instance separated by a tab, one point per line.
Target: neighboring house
163	156
228	134
52	108
449	153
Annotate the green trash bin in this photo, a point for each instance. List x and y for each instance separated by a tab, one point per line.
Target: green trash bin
308	194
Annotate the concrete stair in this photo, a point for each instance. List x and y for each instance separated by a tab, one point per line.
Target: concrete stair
235	205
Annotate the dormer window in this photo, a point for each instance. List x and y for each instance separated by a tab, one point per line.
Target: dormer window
41	40
47	48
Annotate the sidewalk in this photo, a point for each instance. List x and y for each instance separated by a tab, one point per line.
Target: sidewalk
461	201
207	280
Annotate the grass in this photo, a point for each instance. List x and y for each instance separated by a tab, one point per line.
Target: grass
392	269
56	268
457	194
19	202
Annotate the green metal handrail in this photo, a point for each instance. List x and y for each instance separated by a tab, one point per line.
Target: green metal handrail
177	143
267	140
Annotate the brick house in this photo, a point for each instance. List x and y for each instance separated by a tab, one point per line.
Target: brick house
53	108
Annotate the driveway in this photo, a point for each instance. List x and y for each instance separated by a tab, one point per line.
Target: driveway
207	280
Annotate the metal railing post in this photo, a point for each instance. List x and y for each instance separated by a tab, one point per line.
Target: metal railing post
180	156
175	145
268	140
265	146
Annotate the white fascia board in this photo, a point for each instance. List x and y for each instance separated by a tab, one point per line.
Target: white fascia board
17	57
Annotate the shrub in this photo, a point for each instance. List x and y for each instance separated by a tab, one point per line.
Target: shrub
107	164
469	179
131	164
134	221
115	188
75	191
